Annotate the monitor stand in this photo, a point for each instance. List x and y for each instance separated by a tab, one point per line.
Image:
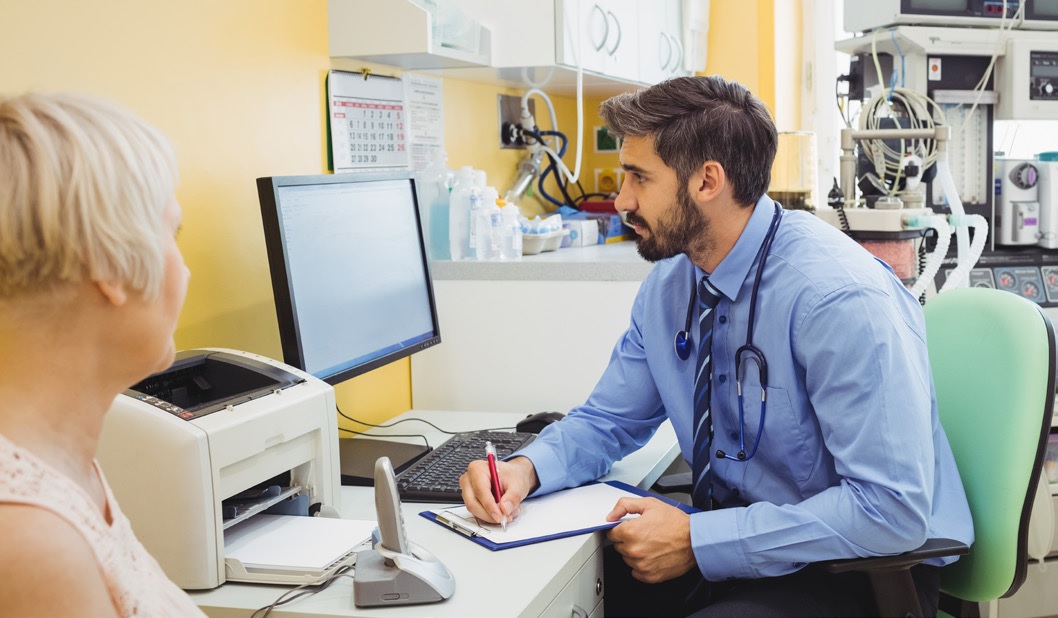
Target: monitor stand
358	456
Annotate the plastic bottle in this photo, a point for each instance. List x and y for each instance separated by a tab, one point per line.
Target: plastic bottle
435	186
475	198
487	223
510	231
459	214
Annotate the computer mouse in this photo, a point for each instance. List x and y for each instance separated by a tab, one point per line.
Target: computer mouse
534	423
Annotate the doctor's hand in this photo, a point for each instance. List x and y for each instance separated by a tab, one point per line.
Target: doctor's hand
657	544
517	480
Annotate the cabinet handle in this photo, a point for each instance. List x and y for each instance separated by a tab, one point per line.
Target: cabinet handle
578	612
605	25
616	43
664	50
679	54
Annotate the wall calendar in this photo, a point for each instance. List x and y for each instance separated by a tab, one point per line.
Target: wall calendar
368	122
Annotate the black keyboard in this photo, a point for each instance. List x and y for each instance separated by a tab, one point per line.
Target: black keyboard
435	477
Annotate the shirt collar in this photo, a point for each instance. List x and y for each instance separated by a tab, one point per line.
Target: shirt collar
732	271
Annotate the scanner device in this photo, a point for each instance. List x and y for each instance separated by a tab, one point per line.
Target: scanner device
396	571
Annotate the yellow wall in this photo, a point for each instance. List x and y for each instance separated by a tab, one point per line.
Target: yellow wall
742	44
238	86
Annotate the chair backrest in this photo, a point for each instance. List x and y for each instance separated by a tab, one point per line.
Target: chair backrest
993	360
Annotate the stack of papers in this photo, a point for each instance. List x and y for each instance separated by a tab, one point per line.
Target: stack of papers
288	542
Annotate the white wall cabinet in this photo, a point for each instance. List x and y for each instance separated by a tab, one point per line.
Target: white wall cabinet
619	43
602	34
661	44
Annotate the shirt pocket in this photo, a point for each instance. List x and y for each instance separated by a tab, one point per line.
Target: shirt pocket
788	448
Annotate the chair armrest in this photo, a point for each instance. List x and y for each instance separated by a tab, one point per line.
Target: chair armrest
673	483
932	548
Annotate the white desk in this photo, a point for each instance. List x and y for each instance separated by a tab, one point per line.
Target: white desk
527	581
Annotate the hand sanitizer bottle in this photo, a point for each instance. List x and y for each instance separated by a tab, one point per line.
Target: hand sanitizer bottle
459	214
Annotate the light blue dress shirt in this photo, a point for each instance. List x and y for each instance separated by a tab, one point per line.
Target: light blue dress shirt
852	460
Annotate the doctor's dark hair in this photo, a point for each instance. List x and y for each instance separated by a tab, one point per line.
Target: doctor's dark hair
697	119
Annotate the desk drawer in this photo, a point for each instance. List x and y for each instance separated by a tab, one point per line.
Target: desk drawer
1037	597
1054	539
583	592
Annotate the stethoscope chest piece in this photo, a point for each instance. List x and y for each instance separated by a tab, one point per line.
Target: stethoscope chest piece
682	345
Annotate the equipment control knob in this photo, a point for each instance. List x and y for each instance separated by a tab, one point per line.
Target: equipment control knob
1024	175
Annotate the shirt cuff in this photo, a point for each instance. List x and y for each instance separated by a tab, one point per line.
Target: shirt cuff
717	547
549	470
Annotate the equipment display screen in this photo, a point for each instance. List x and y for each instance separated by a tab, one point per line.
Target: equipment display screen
952	6
1042	9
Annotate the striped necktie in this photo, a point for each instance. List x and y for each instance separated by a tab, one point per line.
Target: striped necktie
708	297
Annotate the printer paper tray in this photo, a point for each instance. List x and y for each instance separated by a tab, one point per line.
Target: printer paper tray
286	549
236	571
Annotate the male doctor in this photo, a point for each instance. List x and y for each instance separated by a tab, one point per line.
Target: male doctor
844	457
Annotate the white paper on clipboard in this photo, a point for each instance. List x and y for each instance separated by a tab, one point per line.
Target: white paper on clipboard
369	122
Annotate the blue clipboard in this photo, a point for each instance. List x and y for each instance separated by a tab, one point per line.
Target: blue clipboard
474	532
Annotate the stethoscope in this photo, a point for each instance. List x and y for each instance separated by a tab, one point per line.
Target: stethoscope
749	352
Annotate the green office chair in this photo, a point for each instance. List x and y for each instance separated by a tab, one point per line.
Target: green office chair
993	360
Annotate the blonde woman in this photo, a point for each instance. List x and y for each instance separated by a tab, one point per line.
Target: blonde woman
91	284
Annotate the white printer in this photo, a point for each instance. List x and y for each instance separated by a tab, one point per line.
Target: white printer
214	440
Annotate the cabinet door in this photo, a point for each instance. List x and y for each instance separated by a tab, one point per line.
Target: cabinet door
622	44
601	34
583	595
673	29
661	41
582	32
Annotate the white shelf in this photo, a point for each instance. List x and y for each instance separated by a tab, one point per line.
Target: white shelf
397	33
928	39
611	262
555	80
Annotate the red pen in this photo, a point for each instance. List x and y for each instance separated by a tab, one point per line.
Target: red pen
494	475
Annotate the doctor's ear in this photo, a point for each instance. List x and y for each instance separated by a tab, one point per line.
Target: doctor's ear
113	291
708	182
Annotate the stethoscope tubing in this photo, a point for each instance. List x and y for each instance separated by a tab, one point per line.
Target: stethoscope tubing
682	345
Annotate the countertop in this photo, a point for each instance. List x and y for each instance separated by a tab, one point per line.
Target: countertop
612	262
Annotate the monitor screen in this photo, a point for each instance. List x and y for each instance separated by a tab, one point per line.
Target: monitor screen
350	274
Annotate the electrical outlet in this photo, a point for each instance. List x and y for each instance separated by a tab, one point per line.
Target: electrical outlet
608	179
510	115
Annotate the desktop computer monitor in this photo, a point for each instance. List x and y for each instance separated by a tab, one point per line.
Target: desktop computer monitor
350	274
352	288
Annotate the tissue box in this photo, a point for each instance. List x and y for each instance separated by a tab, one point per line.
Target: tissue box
582	232
611	228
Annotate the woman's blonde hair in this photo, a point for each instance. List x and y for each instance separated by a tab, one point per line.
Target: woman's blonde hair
84	184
